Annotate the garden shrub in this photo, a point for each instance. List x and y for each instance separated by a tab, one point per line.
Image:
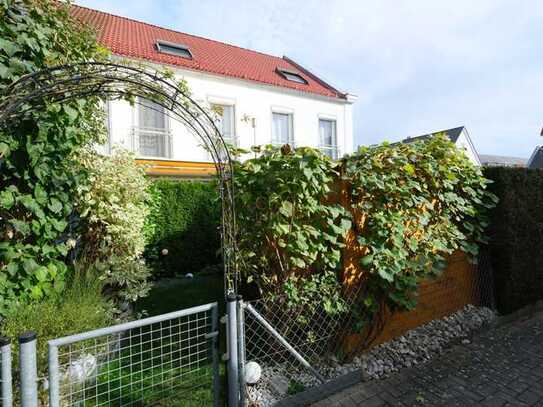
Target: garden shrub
113	207
288	228
516	236
38	172
406	205
183	227
82	308
413	204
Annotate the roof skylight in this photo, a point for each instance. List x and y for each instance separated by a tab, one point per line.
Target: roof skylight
171	48
292	76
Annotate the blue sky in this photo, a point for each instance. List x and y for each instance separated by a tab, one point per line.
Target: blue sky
417	65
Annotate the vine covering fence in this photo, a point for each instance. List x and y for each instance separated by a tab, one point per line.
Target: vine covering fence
322	343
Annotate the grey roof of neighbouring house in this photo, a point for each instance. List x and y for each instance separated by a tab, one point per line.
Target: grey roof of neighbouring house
452	134
536	160
489	160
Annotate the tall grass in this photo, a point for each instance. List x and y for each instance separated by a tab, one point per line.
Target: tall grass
80	308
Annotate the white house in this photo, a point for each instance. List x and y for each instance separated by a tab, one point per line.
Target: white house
262	99
459	136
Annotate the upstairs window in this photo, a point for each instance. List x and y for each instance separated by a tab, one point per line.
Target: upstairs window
226	122
292	76
282	129
328	138
171	48
151	136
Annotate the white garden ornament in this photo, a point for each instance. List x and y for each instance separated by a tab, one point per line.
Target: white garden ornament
253	371
82	369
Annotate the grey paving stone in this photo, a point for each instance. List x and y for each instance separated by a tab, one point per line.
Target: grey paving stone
501	367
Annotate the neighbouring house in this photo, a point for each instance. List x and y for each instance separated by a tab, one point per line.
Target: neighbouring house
536	159
459	136
261	99
488	160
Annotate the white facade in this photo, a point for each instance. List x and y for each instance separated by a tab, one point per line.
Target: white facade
463	142
312	119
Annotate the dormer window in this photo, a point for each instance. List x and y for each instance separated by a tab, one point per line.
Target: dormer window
171	48
291	76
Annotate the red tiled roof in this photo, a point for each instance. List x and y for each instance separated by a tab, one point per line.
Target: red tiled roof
135	39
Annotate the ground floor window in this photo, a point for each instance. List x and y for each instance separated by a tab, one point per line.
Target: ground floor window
328	138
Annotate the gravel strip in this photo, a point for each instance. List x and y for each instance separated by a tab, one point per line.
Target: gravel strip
416	346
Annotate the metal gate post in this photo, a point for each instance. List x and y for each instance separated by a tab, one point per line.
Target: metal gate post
6	396
232	336
241	355
54	377
29	367
215	356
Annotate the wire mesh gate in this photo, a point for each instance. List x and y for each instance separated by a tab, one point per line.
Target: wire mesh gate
171	359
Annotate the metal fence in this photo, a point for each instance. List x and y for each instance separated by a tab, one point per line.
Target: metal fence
167	360
286	350
6	396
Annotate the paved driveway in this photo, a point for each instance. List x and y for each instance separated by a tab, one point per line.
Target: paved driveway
501	367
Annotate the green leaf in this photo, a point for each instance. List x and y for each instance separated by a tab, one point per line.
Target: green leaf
71	112
346	225
12	268
409	168
7	200
20	226
286	209
30	266
4	150
41	274
366	260
55	205
40	194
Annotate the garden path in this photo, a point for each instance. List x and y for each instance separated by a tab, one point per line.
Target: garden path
500	367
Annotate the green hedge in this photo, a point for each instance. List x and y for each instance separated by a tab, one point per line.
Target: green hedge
184	220
516	236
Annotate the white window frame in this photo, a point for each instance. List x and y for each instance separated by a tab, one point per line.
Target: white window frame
291	136
134	133
234	138
331	150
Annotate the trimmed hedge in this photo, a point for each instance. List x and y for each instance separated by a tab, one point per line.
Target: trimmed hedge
184	221
516	236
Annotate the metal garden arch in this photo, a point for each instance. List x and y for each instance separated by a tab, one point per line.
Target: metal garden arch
108	80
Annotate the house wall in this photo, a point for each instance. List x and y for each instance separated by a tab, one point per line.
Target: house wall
251	100
464	143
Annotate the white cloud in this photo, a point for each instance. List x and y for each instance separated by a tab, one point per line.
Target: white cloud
418	65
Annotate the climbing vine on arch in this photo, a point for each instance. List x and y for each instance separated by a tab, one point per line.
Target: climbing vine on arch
53	80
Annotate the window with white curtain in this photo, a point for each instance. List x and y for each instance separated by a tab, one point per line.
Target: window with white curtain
226	122
151	133
328	138
282	132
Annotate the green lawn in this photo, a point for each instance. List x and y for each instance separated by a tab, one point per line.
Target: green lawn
161	368
180	293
